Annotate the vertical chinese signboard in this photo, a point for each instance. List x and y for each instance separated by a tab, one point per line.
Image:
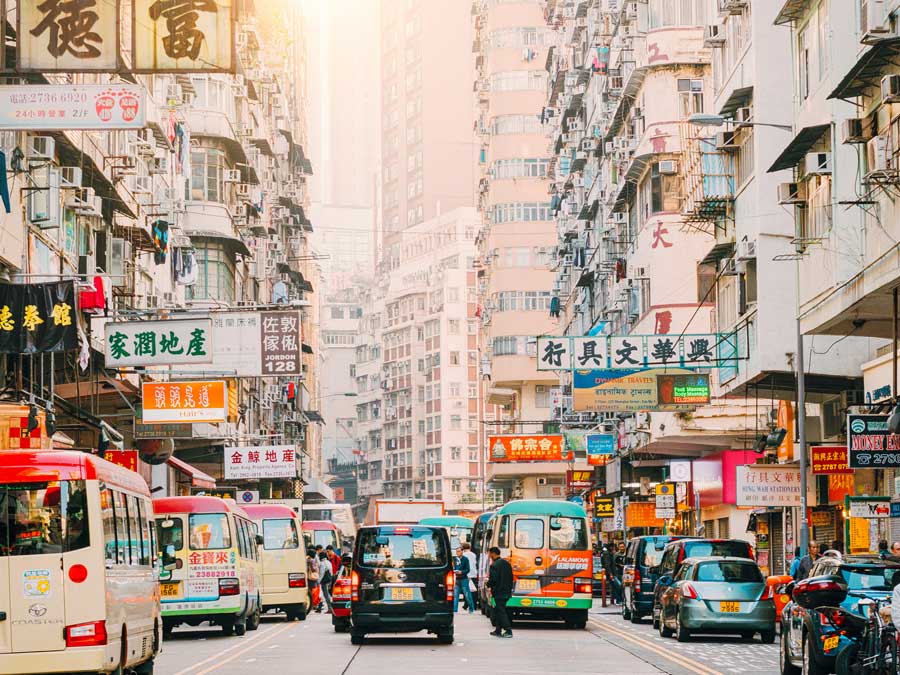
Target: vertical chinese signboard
55	35
37	318
198	401
183	35
264	461
281	343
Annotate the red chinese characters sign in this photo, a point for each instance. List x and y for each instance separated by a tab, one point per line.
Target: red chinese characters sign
829	459
529	448
577	480
263	461
126	458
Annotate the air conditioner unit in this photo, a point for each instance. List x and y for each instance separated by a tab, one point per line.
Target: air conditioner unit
890	88
576	125
168	299
243	191
40	148
141	147
877	156
668	167
158	166
792	193
232	176
588	144
856	130
878	25
744	114
152	301
542	481
87	266
171	194
818	163
725	141
118	256
746	250
143	185
619	217
729	267
70	177
713	35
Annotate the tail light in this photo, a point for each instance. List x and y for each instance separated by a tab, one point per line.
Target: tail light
688	591
354	586
297	580
833	617
450	581
637	580
229	586
768	593
583	585
341	589
86	634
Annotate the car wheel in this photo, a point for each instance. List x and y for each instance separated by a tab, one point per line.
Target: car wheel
635	617
253	620
767	637
240	628
810	665
357	638
664	631
446	637
747	636
682	634
228	628
654	617
787	666
626	613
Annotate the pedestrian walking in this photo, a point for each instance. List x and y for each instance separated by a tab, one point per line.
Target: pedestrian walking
472	581
607	562
795	563
333	558
807	561
312	578
500	584
326	577
895	548
462	567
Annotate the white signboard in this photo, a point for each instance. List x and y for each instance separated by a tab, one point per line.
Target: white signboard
870	510
261	461
42	107
183	36
68	36
608	525
626	352
158	343
680	472
665	505
771	485
618	514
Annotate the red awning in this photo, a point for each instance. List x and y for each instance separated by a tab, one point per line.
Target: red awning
198	478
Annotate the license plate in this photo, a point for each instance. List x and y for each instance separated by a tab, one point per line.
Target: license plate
172	590
524	585
401	594
830	643
730	607
599	575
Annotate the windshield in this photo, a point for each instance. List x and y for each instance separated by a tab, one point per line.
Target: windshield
279	533
401	547
653	551
325	538
170	532
732	572
869	578
717	549
39	518
209	531
568	534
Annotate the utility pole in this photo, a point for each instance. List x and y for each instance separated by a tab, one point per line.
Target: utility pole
801	420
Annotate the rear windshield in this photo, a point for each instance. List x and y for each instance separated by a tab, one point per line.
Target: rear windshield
717	549
869	578
733	572
653	551
401	547
568	534
324	538
529	533
280	533
39	518
209	531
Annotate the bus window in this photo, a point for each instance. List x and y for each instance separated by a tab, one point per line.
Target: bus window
325	538
121	528
170	538
74	505
503	534
134	528
31	518
568	534
279	533
146	549
243	546
529	533
108	517
208	531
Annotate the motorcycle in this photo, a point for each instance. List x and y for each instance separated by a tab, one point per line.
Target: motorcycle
873	650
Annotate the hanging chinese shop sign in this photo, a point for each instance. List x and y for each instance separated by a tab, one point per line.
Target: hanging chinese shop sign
44	107
829	459
609	390
37	318
70	36
261	461
601	448
126	458
183	35
158	343
771	485
628	352
528	448
869	444
198	401
683	389
577	480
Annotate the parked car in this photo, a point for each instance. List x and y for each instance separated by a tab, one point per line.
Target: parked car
718	595
638	580
676	552
813	622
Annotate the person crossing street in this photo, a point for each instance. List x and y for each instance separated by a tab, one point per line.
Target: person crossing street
500	584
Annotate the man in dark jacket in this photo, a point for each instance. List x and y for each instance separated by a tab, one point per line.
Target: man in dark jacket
500	583
807	561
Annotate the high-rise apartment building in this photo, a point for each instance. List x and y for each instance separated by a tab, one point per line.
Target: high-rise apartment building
427	147
518	236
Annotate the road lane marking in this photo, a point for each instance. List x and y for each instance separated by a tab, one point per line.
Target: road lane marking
680	659
260	634
246	648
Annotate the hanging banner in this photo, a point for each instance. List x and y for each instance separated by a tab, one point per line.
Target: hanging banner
44	107
183	36
55	36
261	461
622	391
528	448
828	459
199	401
869	444
37	318
158	343
627	352
601	449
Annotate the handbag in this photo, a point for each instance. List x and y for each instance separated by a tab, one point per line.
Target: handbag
313	576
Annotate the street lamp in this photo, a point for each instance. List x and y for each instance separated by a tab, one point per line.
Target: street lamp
710	120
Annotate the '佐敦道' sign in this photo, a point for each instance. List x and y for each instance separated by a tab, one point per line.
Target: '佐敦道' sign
627	352
47	107
37	318
870	444
263	461
528	448
158	343
198	401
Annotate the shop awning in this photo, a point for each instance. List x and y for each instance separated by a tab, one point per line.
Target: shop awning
792	10
314	416
236	244
738	99
198	478
798	147
306	348
868	69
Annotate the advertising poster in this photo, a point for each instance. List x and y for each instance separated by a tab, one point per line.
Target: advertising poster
262	461
621	391
869	444
85	107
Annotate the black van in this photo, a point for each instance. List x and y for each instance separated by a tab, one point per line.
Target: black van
638	579
402	581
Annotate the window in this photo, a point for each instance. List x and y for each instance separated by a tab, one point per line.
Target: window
207	175
43	517
519	80
503	533
473	454
208	531
816	218
170	533
337	312
455	422
731	572
455	454
665	13
519	168
529	533
521	211
453	389
516	124
134	527
122	535
660	193
383	547
507	345
453	326
803	49
690	97
108	518
542	396
520	37
146	543
454	358
568	534
215	274
473	390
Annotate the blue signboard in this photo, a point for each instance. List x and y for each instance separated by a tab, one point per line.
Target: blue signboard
895	509
601	444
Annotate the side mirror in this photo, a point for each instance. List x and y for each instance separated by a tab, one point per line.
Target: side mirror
664	580
787	589
259	540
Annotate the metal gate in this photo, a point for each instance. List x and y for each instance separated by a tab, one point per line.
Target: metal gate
776	544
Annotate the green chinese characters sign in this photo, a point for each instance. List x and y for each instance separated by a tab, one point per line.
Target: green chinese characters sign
158	343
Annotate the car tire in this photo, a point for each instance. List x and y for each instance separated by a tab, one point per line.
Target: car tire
810	665
228	628
635	617
664	630
747	636
254	619
445	637
784	656
626	613
357	638
682	634
240	628
767	637
655	619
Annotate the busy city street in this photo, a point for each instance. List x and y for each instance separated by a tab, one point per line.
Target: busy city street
607	646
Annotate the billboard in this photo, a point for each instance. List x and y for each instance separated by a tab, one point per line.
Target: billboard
528	448
829	459
627	352
181	36
601	449
683	389
869	444
262	461
771	485
609	390
45	107
158	343
196	401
